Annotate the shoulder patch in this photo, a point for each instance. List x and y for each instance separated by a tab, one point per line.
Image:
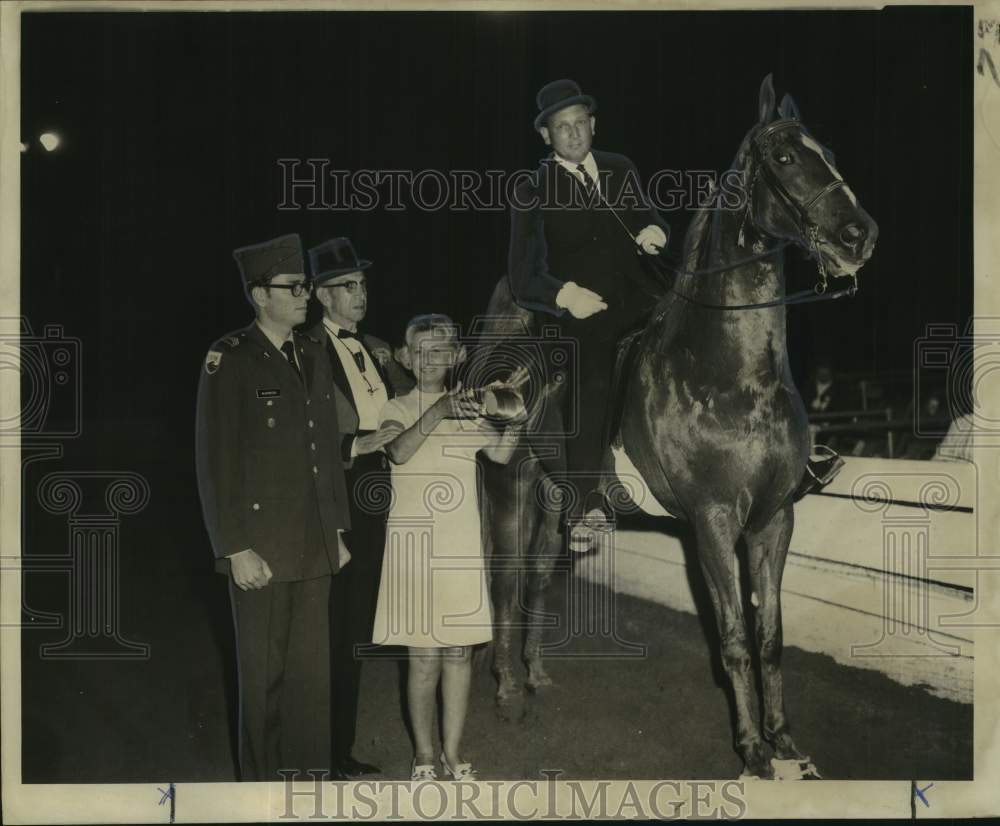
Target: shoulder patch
212	361
232	341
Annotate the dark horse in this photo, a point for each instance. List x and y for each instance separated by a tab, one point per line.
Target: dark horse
712	419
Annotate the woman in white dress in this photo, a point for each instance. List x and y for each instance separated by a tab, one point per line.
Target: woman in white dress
433	596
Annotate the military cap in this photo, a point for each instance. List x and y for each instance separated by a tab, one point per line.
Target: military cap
261	262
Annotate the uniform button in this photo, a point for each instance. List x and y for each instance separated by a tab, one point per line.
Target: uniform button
312	446
328	395
308	401
270	403
595	237
310	423
315	469
256	506
271	423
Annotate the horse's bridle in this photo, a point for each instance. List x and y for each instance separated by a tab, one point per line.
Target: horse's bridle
801	215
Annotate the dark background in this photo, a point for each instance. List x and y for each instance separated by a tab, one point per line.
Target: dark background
172	125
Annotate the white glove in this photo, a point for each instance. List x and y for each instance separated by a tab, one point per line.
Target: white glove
652	239
581	302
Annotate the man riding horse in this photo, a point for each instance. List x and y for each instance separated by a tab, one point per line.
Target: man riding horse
579	229
711	419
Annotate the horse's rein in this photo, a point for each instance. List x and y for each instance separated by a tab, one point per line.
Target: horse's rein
800	215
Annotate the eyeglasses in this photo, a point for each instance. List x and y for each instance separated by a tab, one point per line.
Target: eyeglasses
297	289
352	286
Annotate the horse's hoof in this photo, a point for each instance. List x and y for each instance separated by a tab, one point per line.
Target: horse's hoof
755	764
801	768
511	709
535	684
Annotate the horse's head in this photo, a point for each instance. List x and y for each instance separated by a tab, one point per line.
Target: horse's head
794	191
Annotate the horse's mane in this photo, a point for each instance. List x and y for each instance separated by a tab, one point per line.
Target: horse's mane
701	232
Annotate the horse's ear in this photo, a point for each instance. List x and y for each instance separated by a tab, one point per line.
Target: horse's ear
766	106
788	109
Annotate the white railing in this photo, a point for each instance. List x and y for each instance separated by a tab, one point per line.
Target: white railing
881	574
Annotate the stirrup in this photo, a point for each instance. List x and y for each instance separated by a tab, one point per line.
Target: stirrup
820	471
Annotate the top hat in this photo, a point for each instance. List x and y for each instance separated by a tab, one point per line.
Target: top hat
261	262
333	258
558	95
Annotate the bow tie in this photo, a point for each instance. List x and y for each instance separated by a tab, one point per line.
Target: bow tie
347	334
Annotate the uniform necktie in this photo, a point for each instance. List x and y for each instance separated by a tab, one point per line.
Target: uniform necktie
289	350
588	182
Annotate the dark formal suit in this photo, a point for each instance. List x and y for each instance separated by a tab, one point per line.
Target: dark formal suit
271	479
355	591
557	237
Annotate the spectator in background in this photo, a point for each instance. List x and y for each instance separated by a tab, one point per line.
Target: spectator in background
958	441
916	444
820	396
823	396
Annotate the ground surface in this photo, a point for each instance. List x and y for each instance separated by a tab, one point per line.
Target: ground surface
662	715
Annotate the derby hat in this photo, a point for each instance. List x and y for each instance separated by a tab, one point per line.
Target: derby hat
334	258
558	95
259	263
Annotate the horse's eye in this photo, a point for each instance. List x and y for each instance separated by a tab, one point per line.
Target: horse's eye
784	158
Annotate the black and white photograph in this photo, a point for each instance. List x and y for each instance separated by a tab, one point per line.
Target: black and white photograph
498	411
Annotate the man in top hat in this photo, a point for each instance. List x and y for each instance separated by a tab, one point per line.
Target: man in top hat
361	386
579	227
271	482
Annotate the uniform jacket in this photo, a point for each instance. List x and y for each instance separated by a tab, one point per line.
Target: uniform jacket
347	410
553	241
270	475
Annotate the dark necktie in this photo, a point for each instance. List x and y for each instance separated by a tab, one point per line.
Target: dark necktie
588	182
289	350
359	357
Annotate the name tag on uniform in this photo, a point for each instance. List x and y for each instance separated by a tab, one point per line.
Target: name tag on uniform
269	393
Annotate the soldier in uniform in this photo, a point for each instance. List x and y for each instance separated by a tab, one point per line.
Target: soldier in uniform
272	489
361	387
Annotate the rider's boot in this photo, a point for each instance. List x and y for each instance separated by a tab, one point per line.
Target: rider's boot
822	467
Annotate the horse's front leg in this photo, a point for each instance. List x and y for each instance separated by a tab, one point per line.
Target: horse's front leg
767	550
717	530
